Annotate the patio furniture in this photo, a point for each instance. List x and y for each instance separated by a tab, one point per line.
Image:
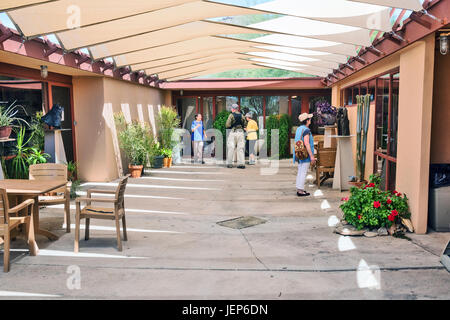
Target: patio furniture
52	171
326	158
23	189
116	213
8	223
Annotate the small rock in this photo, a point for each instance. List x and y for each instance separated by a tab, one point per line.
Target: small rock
382	231
408	224
392	229
370	234
349	231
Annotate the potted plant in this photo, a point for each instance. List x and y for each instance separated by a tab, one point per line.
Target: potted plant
325	113
167	120
167	153
133	139
158	159
7	117
372	208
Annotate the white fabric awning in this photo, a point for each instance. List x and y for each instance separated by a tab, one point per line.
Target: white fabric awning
316	30
414	5
354	14
307	43
181	48
12	4
237	63
176	38
147	22
56	16
165	36
214	71
340	58
294	58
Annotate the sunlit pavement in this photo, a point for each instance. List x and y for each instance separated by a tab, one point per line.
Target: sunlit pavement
175	249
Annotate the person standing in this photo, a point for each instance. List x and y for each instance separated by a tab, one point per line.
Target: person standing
198	136
252	137
304	133
236	139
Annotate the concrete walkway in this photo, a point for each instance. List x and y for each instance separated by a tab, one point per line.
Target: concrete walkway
175	249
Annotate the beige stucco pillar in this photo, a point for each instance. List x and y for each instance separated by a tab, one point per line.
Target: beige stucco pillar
414	128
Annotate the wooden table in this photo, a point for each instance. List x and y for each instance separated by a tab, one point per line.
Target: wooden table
32	189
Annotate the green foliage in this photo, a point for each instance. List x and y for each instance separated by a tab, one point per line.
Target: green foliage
72	168
257	73
370	207
284	125
167	153
135	139
220	124
74	187
17	168
167	121
36	156
38	134
8	115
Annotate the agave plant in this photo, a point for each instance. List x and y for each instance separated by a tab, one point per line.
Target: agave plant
8	114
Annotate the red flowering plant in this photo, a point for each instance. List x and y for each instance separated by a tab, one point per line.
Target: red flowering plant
370	207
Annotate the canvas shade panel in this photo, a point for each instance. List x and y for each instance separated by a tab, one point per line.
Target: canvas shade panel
11	4
308	53
147	22
316	30
335	11
290	64
189	57
302	70
294	58
193	62
414	5
307	43
179	49
213	71
52	17
165	36
205	66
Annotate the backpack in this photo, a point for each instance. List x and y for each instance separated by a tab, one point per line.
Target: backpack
301	153
238	123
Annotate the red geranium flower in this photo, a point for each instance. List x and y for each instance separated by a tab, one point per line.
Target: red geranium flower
394	213
391	217
389	201
344	199
398	194
359	217
376	204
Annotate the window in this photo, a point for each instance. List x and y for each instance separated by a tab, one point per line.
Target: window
225	103
296	110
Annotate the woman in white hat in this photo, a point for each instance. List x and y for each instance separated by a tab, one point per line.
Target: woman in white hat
304	133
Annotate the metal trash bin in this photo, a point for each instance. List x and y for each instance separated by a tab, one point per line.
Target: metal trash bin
439	198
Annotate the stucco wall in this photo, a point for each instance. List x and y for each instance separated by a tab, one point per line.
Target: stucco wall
416	64
440	129
95	101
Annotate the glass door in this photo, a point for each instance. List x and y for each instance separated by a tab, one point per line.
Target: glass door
386	124
61	95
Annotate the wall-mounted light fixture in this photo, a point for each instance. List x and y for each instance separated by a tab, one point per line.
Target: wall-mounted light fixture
181	92
443	41
44	72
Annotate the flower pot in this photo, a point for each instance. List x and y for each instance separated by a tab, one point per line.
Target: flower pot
158	162
357	184
135	170
167	162
5	132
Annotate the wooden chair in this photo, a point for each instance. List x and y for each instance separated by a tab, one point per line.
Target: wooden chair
7	224
53	171
326	160
116	213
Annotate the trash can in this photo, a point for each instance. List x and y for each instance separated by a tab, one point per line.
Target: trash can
439	198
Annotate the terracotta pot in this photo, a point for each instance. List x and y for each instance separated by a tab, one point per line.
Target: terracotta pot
170	162
135	171
5	132
166	162
357	184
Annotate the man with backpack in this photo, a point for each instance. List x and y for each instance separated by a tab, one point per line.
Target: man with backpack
237	123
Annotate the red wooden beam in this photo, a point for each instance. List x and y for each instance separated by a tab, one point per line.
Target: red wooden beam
420	20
